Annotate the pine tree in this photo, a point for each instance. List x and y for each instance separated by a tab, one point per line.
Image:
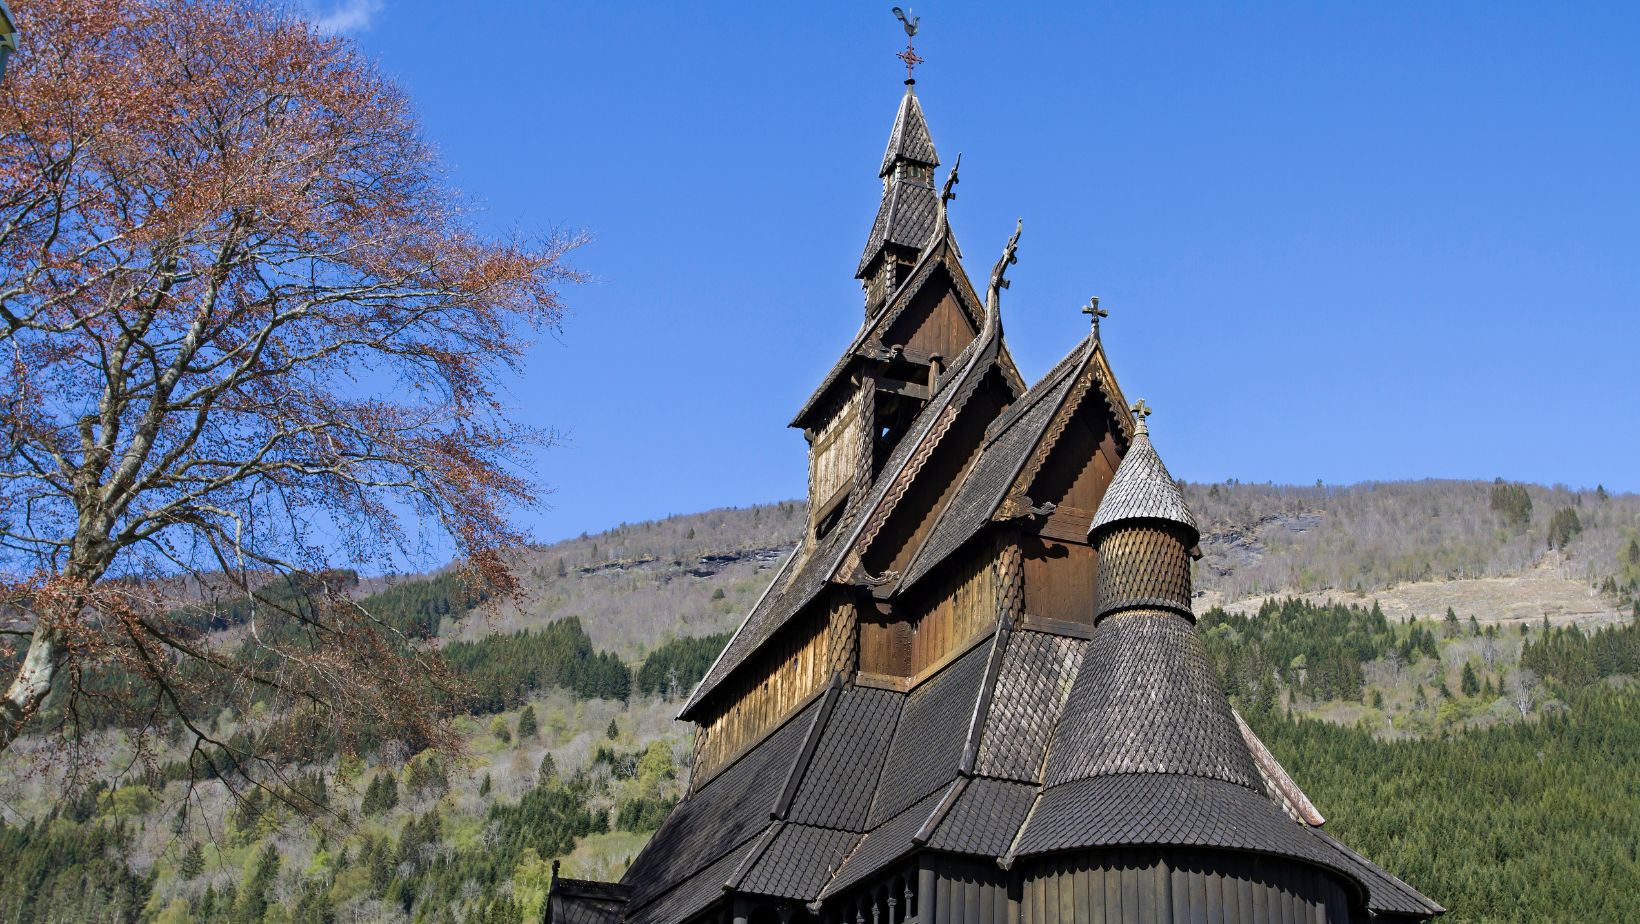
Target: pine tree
192	862
1377	699
613	731
381	796
484	787
1469	684
527	725
548	774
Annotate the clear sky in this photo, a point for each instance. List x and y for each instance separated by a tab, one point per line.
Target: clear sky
1382	241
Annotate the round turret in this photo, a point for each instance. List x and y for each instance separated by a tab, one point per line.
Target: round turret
1144	534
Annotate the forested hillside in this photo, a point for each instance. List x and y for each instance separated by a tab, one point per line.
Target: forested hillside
1483	747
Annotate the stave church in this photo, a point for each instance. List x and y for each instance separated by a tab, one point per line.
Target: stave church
975	694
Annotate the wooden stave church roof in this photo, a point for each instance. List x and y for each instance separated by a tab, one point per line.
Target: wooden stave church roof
918	794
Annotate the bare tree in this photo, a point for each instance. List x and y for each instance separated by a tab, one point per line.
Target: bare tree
1523	687
248	335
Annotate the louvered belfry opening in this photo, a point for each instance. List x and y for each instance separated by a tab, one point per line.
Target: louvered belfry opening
975	692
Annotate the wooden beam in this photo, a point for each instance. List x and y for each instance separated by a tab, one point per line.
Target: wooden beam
894	386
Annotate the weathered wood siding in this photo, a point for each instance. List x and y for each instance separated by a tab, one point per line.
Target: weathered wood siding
971	892
1145	886
1060	568
835	454
790	670
961	606
1059	579
934	323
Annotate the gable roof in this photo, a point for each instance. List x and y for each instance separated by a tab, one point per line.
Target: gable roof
1008	444
863	517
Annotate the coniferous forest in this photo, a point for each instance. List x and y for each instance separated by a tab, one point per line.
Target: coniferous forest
1489	759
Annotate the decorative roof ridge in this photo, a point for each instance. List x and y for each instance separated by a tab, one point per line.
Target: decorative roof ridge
835	551
1074	362
981	353
1277	782
890	311
1068	364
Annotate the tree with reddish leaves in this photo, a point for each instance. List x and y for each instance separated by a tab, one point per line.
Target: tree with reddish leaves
247	336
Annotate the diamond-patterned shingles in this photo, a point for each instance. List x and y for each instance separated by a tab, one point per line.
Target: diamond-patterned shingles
1160	809
926	751
1142	489
1036	675
1146	700
799	862
837	788
730	808
985	819
887	843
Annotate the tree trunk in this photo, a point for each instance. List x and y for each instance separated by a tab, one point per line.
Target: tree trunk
32	684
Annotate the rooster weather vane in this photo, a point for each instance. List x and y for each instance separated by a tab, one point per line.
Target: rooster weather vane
909	56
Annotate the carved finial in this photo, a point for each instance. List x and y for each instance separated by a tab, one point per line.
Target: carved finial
1009	258
948	191
1092	310
909	56
1140	410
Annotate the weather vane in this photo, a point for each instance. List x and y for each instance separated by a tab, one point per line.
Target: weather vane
909	56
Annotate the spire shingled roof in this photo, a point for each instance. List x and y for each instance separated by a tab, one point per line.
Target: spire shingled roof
1142	488
909	139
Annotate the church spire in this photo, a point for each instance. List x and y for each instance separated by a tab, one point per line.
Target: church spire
906	215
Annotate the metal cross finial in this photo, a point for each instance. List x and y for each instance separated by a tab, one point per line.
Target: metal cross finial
1141	410
909	56
1093	311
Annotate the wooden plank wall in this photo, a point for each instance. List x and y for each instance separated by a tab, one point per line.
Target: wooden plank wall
971	892
935	322
1059	579
962	605
794	667
1142	886
834	454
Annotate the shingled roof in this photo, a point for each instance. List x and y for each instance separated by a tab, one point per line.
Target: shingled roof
1142	489
909	140
1009	442
810	575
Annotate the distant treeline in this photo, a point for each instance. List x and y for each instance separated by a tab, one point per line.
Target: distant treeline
1565	654
502	671
1315	649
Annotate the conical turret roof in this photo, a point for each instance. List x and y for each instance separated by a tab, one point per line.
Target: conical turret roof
1142	488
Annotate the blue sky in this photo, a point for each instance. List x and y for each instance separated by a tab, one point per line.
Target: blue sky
1379	241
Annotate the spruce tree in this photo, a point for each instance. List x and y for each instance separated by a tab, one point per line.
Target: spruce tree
193	861
1469	684
613	731
527	724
